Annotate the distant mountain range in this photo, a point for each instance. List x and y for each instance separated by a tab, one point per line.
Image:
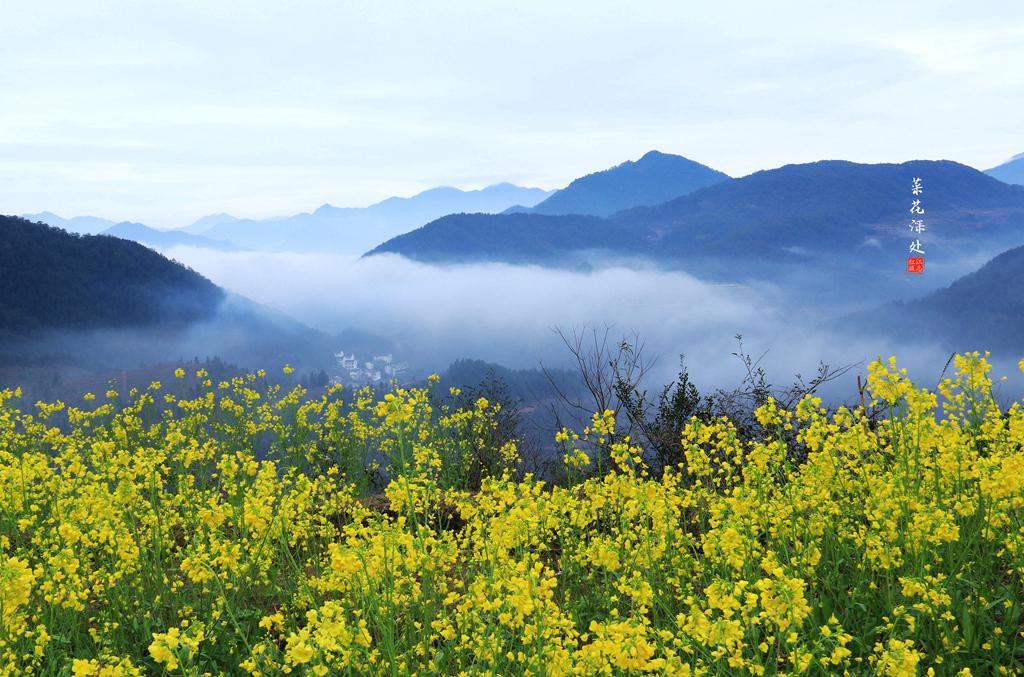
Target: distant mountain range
834	232
829	220
165	239
329	228
207	222
128	230
653	179
355	229
662	207
85	225
1011	171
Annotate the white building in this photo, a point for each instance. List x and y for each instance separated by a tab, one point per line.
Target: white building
380	369
347	362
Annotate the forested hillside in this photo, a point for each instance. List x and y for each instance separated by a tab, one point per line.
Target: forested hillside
52	279
982	310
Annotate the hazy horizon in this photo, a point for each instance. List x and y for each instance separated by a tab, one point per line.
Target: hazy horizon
306	210
364	205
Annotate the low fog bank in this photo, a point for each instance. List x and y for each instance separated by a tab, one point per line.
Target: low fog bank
508	314
238	335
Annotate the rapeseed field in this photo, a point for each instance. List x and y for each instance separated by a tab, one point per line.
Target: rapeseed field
201	528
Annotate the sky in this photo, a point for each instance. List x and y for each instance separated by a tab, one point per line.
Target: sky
164	112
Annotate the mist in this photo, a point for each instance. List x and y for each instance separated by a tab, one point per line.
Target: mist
432	315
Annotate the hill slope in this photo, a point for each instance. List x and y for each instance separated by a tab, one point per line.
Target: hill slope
97	302
510	238
53	279
653	179
1011	171
979	311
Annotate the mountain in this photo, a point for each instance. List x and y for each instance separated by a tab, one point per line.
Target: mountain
979	311
137	232
97	302
53	279
509	238
830	207
165	239
354	230
820	223
1011	171
651	180
86	225
205	223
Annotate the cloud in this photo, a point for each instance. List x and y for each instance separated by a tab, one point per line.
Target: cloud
496	311
163	113
508	314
